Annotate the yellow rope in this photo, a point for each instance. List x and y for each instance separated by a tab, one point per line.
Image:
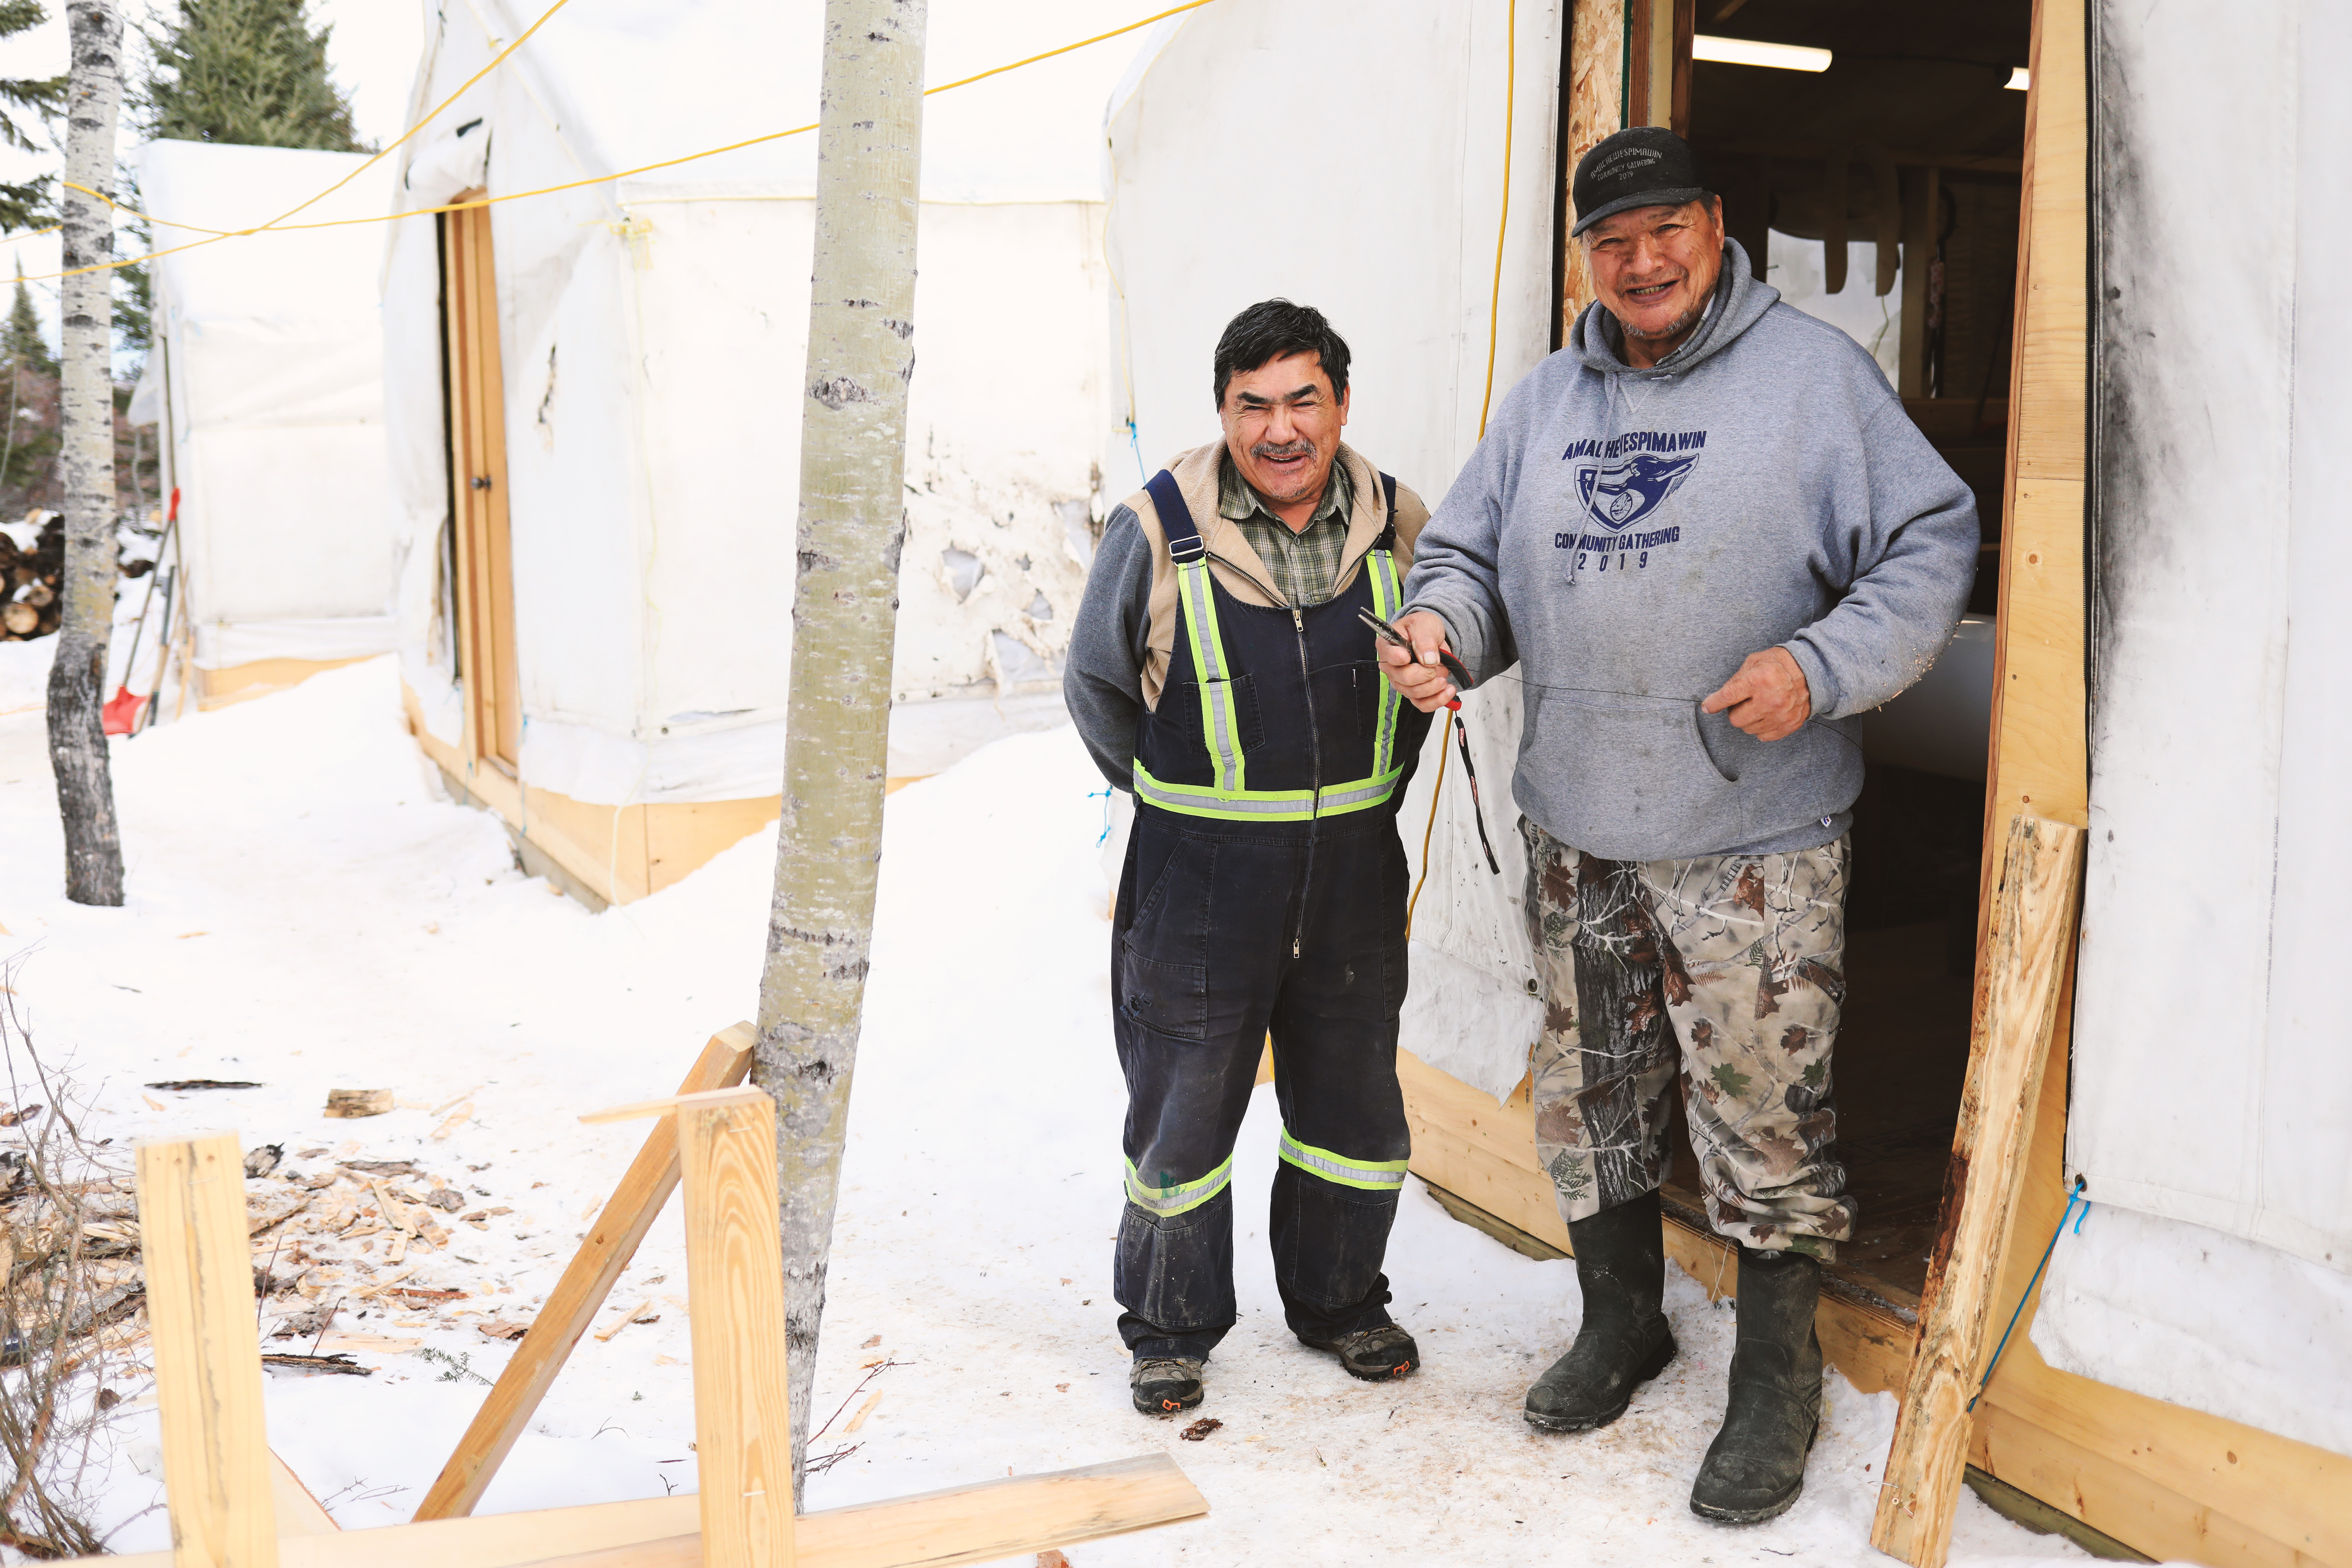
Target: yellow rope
1422	880
1494	300
274	225
1494	329
279	225
496	60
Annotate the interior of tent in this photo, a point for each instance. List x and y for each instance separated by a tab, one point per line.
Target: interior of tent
267	390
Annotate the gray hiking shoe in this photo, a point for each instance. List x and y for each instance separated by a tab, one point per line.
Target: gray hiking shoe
1164	1386
1374	1354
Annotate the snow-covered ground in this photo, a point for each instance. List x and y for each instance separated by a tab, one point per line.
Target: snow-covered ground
307	911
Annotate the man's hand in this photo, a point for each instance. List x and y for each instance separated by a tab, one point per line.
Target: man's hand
1769	697
1419	677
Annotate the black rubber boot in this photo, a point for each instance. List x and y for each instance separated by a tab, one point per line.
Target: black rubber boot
1375	1354
1623	1341
1755	1468
1163	1385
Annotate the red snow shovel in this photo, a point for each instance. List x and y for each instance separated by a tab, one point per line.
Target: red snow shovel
120	714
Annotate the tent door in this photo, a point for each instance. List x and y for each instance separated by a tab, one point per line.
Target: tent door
478	485
1882	195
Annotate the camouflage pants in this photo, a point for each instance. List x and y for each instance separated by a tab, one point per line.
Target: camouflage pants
1728	968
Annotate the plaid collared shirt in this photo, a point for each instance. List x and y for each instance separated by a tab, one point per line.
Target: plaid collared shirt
1305	565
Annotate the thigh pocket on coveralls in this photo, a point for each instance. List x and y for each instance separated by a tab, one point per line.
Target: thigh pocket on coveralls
1172	999
1163	954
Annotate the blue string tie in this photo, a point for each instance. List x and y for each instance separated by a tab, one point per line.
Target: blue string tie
2073	1199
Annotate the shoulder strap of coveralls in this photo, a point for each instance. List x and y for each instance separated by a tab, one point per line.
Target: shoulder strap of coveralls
1219	723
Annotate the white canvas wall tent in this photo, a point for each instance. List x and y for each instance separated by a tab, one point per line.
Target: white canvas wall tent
2176	1385
594	402
266	385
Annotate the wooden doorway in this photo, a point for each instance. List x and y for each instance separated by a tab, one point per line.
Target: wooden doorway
476	405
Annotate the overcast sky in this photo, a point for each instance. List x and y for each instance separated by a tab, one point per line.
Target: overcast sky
371	51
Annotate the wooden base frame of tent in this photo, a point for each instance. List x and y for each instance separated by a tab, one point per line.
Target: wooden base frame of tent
600	855
260	678
233	1504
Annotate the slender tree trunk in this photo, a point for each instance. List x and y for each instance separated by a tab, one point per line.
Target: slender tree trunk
85	420
844	611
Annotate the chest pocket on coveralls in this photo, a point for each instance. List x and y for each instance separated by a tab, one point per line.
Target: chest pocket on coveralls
1180	709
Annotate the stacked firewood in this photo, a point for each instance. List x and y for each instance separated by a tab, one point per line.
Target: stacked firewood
32	582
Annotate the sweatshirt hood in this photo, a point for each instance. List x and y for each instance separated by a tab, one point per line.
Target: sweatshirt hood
1738	302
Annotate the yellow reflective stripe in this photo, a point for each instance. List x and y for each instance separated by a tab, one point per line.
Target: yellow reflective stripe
1220	724
1176	1197
1263	805
1384	600
1372	1176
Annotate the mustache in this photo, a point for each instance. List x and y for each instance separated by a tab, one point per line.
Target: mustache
1283	449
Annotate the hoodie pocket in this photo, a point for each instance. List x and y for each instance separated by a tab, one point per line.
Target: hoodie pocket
1624	775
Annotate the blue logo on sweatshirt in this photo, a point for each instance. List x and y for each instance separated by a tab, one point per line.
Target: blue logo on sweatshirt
1619	495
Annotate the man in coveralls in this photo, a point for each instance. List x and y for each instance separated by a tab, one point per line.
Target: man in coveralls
1219	671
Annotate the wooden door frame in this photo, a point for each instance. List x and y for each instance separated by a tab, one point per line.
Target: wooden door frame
473	387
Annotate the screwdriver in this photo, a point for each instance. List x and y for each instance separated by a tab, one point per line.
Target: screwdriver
1453	665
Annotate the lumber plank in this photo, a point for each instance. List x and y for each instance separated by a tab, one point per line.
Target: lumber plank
932	1530
1595	89
216	1460
2034	926
299	1511
580	1295
964	1524
735	1279
2085	1482
2039	745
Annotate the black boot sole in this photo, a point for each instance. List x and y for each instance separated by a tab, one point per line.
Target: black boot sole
1377	1375
1660	1359
1772	1509
1163	1407
1748	1515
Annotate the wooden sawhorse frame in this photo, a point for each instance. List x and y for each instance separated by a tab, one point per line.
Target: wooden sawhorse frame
219	1475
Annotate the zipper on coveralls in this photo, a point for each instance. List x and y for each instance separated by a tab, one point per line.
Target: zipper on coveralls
1314	738
1315	749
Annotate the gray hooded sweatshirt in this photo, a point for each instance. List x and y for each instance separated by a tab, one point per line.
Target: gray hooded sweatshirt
1628	537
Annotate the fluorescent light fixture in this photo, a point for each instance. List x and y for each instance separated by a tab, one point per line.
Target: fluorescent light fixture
1748	52
2020	79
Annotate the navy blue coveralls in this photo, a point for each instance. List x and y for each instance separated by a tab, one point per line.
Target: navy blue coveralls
1263	891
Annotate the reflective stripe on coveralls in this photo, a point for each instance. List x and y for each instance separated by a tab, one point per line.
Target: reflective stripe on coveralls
1177	1197
1220	725
1372	1176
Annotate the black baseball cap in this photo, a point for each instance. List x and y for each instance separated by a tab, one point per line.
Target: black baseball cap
1641	166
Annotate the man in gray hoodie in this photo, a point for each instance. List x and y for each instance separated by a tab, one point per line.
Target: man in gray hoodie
1709	539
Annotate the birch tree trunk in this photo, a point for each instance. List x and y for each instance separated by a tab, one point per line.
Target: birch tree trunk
844	611
86	418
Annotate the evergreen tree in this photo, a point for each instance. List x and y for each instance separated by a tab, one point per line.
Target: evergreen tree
25	348
28	447
250	72
25	205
